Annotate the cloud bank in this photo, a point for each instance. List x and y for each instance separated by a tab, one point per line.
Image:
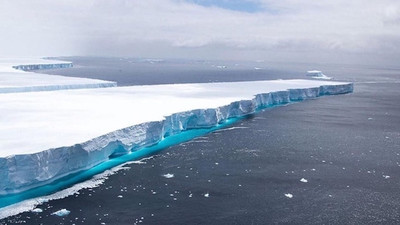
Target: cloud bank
293	30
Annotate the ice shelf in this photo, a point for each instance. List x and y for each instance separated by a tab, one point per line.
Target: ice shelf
46	135
15	78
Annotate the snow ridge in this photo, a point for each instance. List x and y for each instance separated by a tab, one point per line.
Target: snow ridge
22	172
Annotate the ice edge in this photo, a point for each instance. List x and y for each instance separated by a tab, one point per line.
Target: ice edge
59	65
43	66
23	172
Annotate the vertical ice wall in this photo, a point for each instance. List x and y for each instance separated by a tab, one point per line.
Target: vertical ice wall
17	78
22	172
43	66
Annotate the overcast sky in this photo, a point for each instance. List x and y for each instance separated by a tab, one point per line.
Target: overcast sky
362	31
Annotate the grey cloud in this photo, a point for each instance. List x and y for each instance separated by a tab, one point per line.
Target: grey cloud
175	28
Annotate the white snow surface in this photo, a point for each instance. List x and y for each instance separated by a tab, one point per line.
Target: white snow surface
37	121
47	135
14	80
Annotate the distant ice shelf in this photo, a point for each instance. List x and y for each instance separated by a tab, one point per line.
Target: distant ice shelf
316	74
42	65
48	135
15	78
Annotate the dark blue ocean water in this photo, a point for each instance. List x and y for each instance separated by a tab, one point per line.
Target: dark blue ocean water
347	147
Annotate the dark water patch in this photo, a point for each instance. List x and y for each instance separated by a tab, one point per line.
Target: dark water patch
126	71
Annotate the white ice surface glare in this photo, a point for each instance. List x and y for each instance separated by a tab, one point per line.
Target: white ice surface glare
16	80
47	135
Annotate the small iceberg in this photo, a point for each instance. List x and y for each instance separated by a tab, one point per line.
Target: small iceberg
168	175
303	180
37	210
288	195
316	74
62	212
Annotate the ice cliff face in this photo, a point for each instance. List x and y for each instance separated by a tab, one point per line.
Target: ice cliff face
56	87
19	79
22	172
43	66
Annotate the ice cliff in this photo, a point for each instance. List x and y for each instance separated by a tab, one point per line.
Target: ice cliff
15	77
26	171
43	66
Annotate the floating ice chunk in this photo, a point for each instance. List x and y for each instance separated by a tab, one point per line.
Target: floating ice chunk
386	176
316	74
303	180
120	196
37	210
61	212
168	175
288	195
207	195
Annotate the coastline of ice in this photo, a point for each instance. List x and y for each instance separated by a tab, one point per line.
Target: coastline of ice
15	77
85	127
30	204
26	170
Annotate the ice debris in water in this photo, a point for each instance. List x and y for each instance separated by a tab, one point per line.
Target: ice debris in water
386	176
168	175
303	180
288	195
207	195
61	212
37	210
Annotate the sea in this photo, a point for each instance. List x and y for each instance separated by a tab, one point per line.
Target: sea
330	160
